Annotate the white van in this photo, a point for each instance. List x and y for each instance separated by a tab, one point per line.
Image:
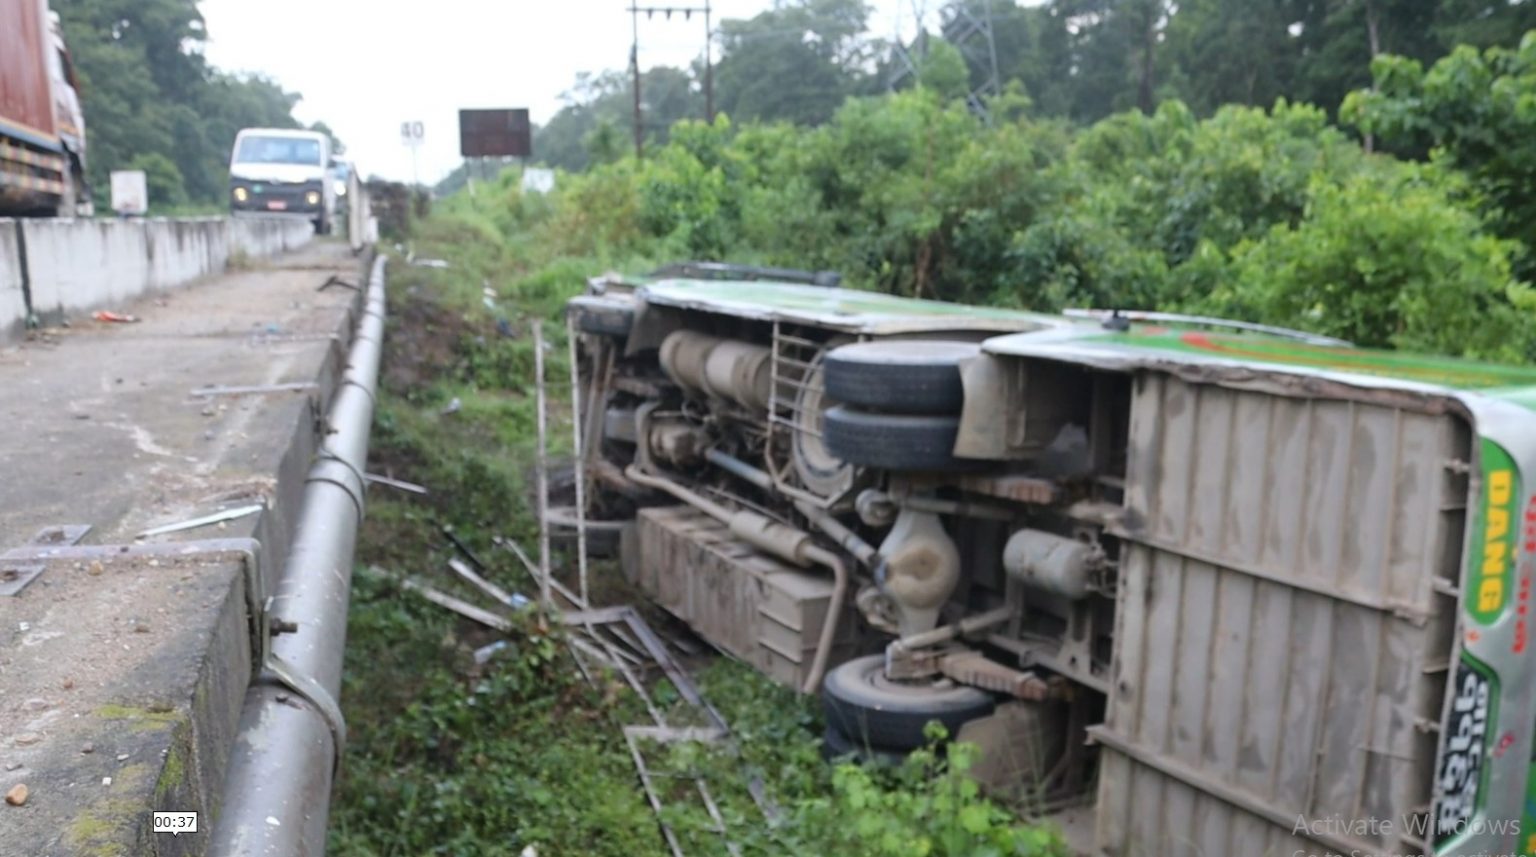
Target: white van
282	172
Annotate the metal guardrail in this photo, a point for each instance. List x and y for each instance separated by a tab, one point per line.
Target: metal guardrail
284	761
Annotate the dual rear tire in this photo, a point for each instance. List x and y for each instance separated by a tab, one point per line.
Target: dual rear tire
901	402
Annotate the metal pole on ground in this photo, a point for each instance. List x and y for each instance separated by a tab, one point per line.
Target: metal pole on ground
543	476
581	464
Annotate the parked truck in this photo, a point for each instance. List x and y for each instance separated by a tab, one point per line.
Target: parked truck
42	129
1241	592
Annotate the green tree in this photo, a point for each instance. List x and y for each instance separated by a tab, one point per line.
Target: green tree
1234	51
605	143
1383	263
147	91
607	99
795	62
1474	111
944	72
161	178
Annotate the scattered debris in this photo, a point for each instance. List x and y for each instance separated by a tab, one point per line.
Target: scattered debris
274	822
27	739
510	599
484	654
438	264
114	317
88	749
443	599
464	549
106	781
215	518
14	577
412	487
334	280
11	766
17	796
453	407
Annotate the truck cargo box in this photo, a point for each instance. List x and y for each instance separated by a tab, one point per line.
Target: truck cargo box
26	101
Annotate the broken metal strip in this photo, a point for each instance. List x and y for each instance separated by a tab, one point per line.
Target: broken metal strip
194	523
637	686
714	813
292	387
575	656
677	734
650	792
653	646
463	548
596	616
620	651
538	576
14	576
508	598
443	599
578	645
680	680
412	487
61	534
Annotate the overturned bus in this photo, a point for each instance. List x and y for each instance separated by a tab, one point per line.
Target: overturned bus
1239	591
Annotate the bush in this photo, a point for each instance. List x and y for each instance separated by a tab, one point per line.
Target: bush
1382	264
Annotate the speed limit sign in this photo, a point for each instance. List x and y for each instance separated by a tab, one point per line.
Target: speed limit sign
412	133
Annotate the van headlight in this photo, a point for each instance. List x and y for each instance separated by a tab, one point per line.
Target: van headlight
340	187
241	194
313	197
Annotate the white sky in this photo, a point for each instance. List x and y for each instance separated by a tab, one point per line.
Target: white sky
365	66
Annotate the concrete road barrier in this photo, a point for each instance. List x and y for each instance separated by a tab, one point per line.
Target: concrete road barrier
52	269
13	298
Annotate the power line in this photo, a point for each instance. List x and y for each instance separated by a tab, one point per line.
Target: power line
634	61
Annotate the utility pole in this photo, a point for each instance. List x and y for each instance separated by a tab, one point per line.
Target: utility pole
709	69
634	65
634	60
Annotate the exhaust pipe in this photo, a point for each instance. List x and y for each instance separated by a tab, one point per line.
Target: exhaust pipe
277	794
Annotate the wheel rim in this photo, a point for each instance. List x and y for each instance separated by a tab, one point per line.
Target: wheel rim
819	470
